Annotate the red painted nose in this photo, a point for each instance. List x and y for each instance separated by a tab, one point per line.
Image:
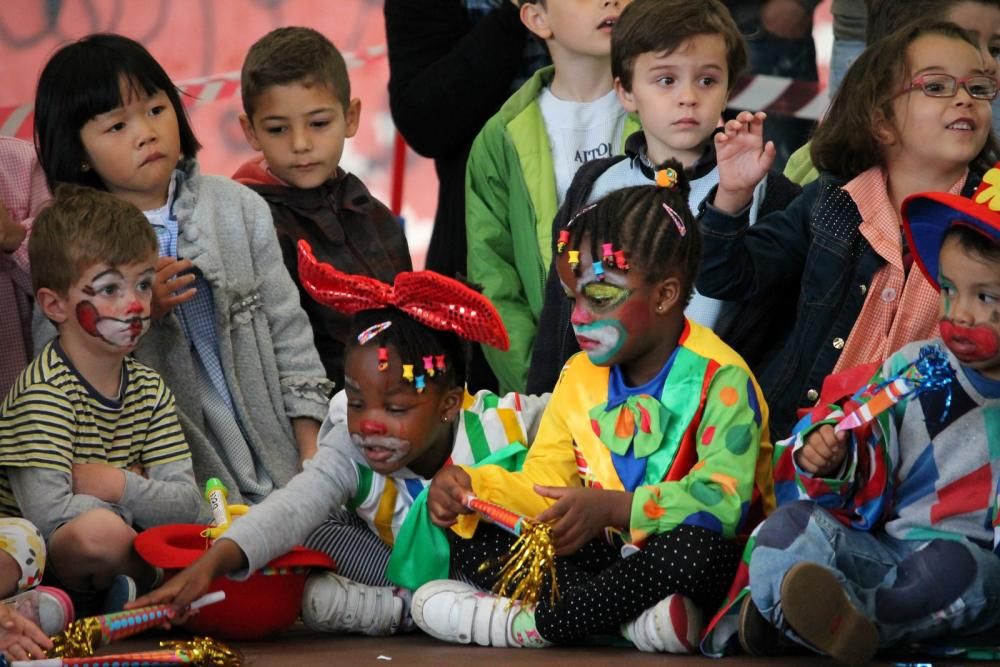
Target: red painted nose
135	308
370	427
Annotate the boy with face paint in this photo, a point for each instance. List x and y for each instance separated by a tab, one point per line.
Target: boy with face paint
403	415
914	489
90	445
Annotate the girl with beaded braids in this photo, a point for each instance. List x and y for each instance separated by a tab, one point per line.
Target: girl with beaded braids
651	460
404	413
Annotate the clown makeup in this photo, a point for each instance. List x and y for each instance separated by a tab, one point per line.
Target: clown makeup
115	304
970	305
596	320
392	425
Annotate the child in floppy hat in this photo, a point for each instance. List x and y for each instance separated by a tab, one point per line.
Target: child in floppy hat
888	501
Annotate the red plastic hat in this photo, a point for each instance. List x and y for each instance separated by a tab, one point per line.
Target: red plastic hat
267	602
438	301
928	216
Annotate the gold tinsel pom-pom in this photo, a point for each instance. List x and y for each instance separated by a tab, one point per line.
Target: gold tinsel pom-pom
532	558
206	652
79	640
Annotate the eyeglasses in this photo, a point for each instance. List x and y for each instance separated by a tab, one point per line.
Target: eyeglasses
978	86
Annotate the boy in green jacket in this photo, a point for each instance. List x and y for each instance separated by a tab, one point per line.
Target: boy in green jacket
525	157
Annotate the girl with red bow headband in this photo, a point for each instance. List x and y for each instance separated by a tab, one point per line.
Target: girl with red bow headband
402	415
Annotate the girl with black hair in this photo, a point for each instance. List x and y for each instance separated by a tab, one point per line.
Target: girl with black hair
403	414
229	334
651	459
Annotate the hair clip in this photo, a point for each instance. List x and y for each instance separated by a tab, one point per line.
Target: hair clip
666	178
598	270
620	260
574	259
608	252
420	383
383	359
429	365
563	241
408	372
439	362
681	229
372	331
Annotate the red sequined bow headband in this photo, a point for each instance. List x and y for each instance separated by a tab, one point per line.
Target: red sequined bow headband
428	297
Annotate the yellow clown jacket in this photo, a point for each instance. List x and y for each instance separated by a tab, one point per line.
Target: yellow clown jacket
705	439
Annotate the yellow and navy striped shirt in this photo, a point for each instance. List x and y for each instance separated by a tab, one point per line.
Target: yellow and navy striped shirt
52	418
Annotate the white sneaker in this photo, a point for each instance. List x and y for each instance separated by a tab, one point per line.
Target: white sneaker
459	613
672	625
331	603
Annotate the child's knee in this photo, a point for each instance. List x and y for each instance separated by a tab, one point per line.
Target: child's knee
95	536
923	586
785	525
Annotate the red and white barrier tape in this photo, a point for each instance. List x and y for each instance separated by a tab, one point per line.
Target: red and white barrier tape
780	96
18	121
773	94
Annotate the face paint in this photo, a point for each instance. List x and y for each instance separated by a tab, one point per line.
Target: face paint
372	427
112	330
381	450
970	344
601	340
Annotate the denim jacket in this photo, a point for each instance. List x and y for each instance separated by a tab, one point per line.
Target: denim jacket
817	242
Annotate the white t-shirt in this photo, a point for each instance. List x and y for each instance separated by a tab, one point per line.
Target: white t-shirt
580	132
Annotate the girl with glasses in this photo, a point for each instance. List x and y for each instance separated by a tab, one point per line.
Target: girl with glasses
897	126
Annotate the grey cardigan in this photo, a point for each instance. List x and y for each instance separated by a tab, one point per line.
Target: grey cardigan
265	342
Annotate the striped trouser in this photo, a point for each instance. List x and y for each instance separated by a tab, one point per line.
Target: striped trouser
359	553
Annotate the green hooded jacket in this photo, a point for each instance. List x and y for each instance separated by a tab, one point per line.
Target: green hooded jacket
510	201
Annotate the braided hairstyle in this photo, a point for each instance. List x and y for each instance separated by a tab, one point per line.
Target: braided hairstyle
636	220
413	341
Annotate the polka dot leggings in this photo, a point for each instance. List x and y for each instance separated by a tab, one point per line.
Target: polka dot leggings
599	590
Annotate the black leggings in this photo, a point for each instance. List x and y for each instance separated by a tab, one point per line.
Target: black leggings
599	590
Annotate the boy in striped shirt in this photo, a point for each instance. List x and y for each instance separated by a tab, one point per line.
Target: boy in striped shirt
90	444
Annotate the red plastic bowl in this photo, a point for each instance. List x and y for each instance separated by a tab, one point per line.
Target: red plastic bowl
262	605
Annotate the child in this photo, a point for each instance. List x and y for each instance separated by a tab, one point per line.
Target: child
402	416
675	63
898	519
896	127
297	112
523	161
228	327
651	439
90	443
979	18
22	193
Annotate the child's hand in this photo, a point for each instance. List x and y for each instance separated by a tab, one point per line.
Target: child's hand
582	513
100	480
11	233
20	638
191	583
743	160
445	498
823	452
170	287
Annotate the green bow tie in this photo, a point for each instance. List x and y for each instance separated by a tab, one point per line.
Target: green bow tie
641	420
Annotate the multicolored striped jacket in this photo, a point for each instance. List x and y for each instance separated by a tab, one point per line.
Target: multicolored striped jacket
487	423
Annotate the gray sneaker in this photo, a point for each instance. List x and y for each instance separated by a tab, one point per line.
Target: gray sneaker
331	603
